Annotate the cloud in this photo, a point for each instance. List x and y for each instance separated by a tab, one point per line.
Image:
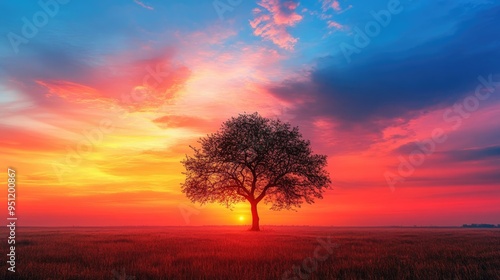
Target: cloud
173	121
140	3
384	84
331	4
30	141
69	90
326	15
476	154
455	155
335	25
272	22
139	82
463	178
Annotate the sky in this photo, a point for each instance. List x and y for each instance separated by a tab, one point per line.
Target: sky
100	100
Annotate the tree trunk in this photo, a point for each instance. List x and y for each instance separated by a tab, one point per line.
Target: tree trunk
255	217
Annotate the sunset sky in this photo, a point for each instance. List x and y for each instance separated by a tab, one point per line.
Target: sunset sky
100	100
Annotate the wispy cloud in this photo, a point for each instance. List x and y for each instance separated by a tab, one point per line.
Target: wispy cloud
272	22
140	3
335	5
335	25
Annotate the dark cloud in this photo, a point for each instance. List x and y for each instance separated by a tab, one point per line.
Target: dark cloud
393	84
44	61
475	154
486	177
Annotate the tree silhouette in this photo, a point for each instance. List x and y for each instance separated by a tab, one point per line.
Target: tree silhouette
252	158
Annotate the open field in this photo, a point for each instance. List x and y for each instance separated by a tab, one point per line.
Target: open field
234	253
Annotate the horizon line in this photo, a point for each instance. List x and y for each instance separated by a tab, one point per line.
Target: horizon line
320	226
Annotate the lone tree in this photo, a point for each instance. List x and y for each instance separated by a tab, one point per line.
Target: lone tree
252	158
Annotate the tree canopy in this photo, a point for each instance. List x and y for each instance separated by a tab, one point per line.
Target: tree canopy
252	158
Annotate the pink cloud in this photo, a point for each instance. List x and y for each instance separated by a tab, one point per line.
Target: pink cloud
137	84
334	24
333	4
69	90
272	23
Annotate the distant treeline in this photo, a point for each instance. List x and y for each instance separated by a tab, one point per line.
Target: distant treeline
481	226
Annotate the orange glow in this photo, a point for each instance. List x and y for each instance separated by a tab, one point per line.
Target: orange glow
104	147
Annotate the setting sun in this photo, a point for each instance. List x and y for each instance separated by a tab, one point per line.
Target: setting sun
241	218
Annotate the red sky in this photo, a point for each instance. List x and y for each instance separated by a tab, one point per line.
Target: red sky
97	120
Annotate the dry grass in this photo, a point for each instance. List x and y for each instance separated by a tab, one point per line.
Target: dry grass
234	253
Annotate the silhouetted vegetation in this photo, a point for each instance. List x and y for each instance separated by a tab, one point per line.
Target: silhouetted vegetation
480	226
252	158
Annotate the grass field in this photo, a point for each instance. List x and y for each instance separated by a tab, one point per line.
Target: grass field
273	253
